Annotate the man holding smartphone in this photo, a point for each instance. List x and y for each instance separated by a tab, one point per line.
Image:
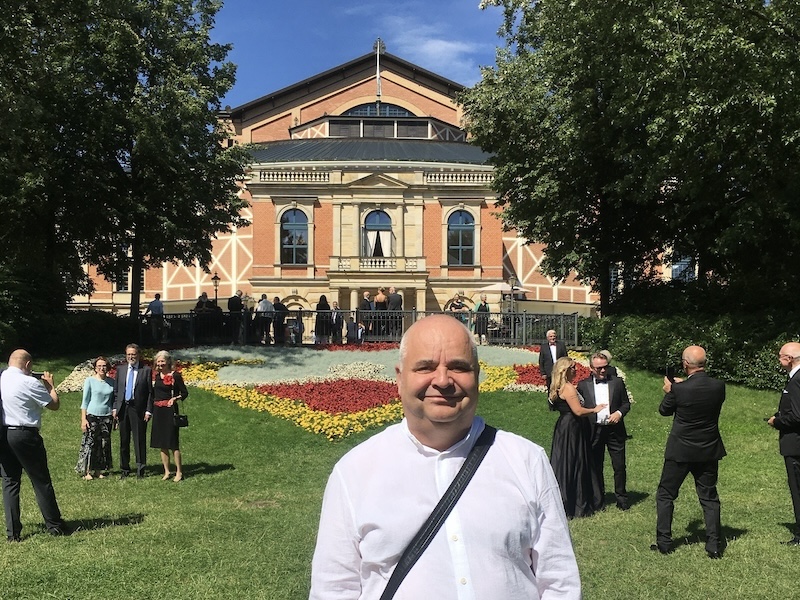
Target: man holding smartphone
694	446
22	448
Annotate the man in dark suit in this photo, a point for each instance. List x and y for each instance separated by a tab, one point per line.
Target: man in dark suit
337	322
608	426
279	321
549	353
694	446
365	313
787	422
132	392
395	306
235	308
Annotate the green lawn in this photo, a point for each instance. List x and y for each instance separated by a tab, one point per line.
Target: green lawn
242	525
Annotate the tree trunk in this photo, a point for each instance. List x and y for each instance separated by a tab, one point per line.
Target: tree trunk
137	264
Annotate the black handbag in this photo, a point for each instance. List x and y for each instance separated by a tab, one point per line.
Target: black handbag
179	419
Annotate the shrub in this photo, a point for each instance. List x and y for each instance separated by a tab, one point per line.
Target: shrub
75	331
741	349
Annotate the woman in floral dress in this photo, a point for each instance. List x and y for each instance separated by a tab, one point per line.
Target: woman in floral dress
94	457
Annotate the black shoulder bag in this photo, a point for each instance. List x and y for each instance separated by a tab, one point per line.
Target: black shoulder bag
426	533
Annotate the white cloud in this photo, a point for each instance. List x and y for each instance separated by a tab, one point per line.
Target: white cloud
440	45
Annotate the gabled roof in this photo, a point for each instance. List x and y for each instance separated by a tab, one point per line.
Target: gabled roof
367	62
366	149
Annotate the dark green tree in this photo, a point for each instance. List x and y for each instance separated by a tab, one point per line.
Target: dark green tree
117	156
625	132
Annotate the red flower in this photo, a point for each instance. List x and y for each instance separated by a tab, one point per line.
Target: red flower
168	379
333	397
530	374
365	347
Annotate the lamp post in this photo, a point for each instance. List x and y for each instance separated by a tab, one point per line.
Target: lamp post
215	281
512	281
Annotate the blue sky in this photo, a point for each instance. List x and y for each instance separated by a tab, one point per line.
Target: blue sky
277	43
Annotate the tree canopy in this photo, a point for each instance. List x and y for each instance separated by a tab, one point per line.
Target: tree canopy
114	154
626	133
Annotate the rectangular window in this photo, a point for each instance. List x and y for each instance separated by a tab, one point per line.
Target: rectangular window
378	129
345	128
412	129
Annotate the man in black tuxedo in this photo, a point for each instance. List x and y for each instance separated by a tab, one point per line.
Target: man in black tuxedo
787	422
132	392
694	446
549	353
608	426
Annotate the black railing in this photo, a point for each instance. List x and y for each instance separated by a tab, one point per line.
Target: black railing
308	327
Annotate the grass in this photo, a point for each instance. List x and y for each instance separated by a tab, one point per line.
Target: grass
243	523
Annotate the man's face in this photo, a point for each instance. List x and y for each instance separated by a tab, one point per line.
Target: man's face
599	368
131	356
551	337
335	305
785	358
438	379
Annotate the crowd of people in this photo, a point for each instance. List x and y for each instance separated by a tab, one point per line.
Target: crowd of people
378	317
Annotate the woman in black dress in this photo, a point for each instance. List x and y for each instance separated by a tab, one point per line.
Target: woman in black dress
380	326
571	453
168	389
322	324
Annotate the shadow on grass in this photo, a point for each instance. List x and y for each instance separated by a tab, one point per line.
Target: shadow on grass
697	534
791	527
203	468
103	522
634	498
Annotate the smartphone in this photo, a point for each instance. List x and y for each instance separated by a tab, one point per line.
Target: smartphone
670	373
37	374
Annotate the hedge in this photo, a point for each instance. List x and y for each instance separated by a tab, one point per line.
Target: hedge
741	349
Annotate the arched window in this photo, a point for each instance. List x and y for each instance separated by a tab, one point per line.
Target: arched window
460	239
371	110
377	238
294	237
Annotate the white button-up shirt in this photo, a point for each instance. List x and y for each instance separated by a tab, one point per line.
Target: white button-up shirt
507	537
24	398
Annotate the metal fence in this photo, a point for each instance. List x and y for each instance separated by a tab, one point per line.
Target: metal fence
308	327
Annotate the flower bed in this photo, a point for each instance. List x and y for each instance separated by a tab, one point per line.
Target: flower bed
335	398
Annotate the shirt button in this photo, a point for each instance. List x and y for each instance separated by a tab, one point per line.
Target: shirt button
454	538
463	581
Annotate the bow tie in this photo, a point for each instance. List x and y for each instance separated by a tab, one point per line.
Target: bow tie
601	380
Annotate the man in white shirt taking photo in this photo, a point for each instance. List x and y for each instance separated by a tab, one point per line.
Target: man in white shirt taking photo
507	536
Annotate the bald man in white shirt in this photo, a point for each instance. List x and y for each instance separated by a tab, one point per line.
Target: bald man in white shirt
507	536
